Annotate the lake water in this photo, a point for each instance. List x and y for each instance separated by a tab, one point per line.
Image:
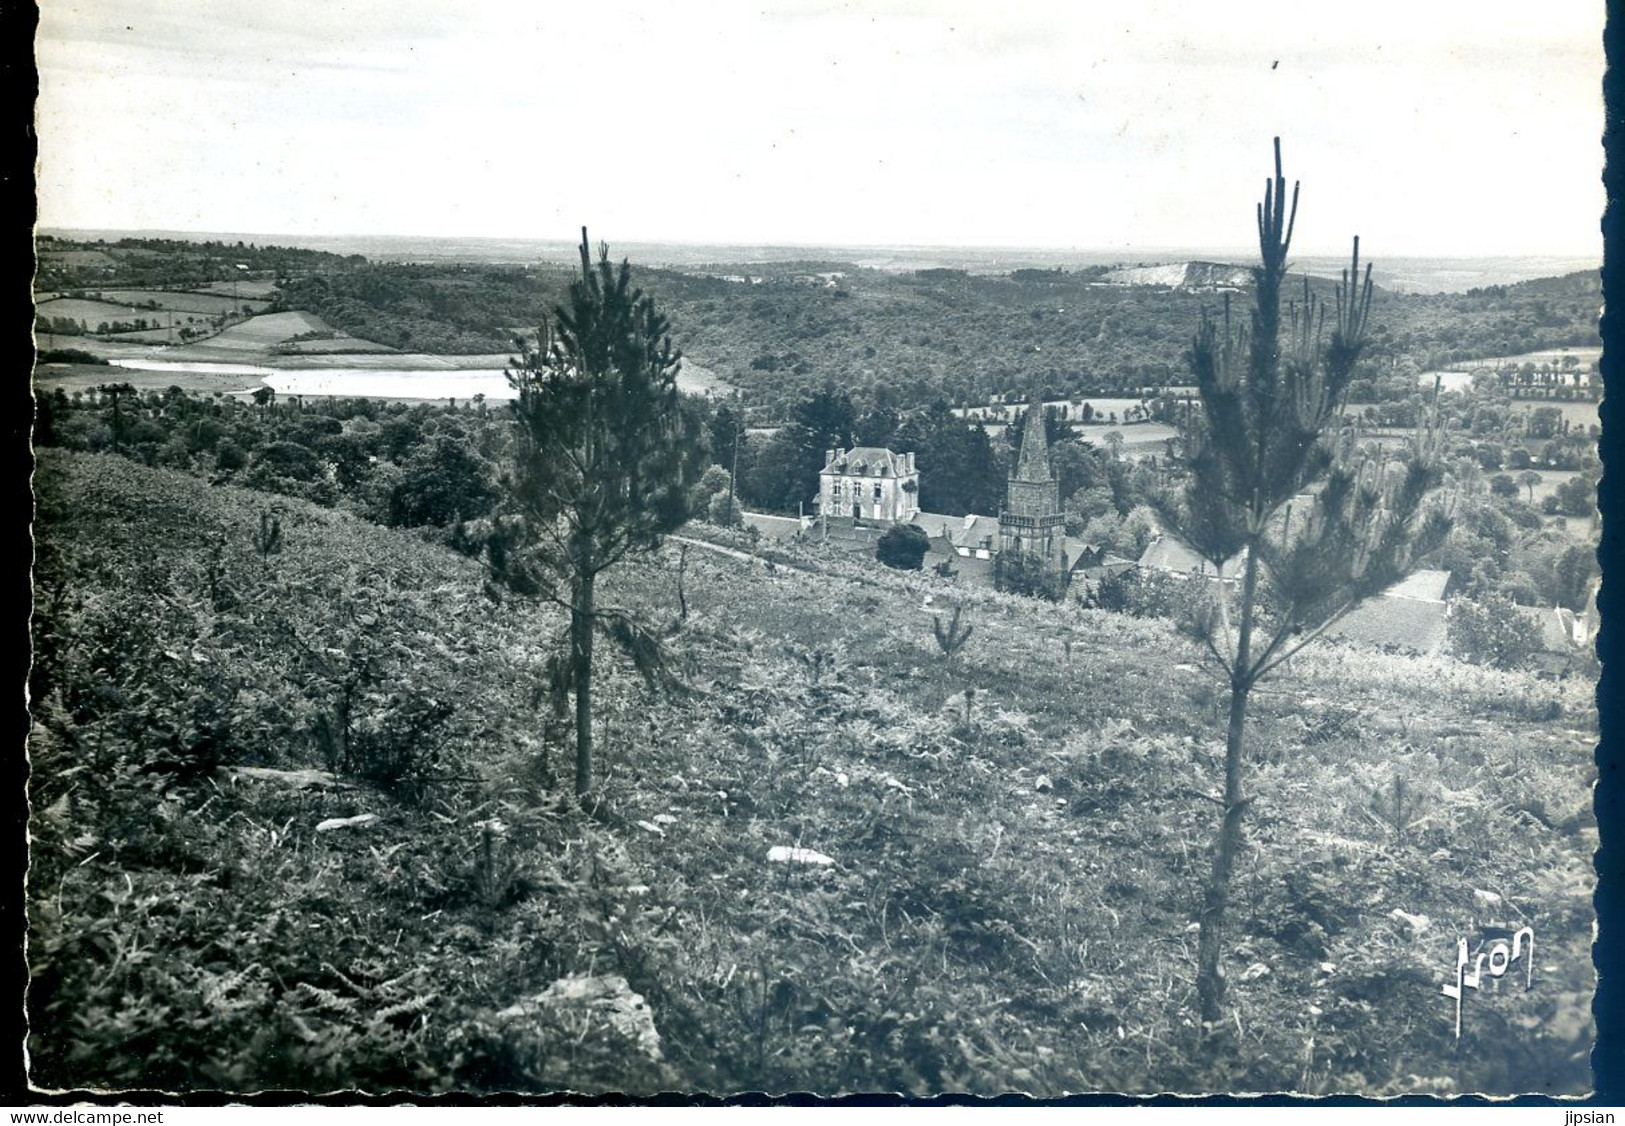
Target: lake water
377	383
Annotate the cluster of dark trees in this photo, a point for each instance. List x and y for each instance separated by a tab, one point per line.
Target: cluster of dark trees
440	309
402	466
1504	546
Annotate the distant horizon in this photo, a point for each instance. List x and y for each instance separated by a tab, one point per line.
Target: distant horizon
1213	252
1399	273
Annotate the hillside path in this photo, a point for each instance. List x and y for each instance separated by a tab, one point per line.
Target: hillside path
736	553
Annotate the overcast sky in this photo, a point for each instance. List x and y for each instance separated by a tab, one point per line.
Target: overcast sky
1451	127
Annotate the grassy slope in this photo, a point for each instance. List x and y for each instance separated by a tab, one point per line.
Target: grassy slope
1014	879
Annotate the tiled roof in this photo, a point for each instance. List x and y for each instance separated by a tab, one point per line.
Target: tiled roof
973	530
1430	585
969	567
1077	550
1166	553
1555	625
936	525
1416	625
865	461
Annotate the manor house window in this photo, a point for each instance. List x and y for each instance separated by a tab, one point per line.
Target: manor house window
877	490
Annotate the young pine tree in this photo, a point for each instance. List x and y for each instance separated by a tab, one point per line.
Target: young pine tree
1316	527
606	456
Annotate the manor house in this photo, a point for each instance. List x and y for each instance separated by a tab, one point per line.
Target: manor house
868	483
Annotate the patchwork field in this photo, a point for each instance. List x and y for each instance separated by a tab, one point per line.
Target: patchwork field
91	313
165	335
262	288
255	335
73	378
204	303
1001	857
76	258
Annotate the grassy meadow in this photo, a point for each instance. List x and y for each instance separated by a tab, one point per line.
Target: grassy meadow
1001	857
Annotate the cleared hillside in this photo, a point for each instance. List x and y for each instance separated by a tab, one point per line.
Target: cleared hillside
1014	845
1183	275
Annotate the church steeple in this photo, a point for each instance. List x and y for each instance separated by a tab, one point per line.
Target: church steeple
1031	523
1033	463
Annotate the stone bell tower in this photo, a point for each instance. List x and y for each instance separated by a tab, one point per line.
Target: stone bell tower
1032	521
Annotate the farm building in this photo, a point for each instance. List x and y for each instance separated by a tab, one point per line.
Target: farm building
1565	637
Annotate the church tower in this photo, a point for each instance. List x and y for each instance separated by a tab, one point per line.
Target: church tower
1032	522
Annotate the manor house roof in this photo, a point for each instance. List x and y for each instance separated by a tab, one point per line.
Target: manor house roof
866	461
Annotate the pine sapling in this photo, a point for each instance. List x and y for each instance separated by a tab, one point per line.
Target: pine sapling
1298	525
952	637
268	537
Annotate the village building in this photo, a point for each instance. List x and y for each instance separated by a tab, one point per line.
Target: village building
1169	555
1566	639
868	483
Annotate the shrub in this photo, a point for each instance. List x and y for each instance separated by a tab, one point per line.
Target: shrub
1492	632
1028	574
1577	497
70	356
719	511
1148	594
903	547
443	482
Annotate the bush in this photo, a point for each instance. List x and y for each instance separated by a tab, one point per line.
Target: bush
1028	574
1492	632
1147	594
719	511
903	547
443	483
1577	497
